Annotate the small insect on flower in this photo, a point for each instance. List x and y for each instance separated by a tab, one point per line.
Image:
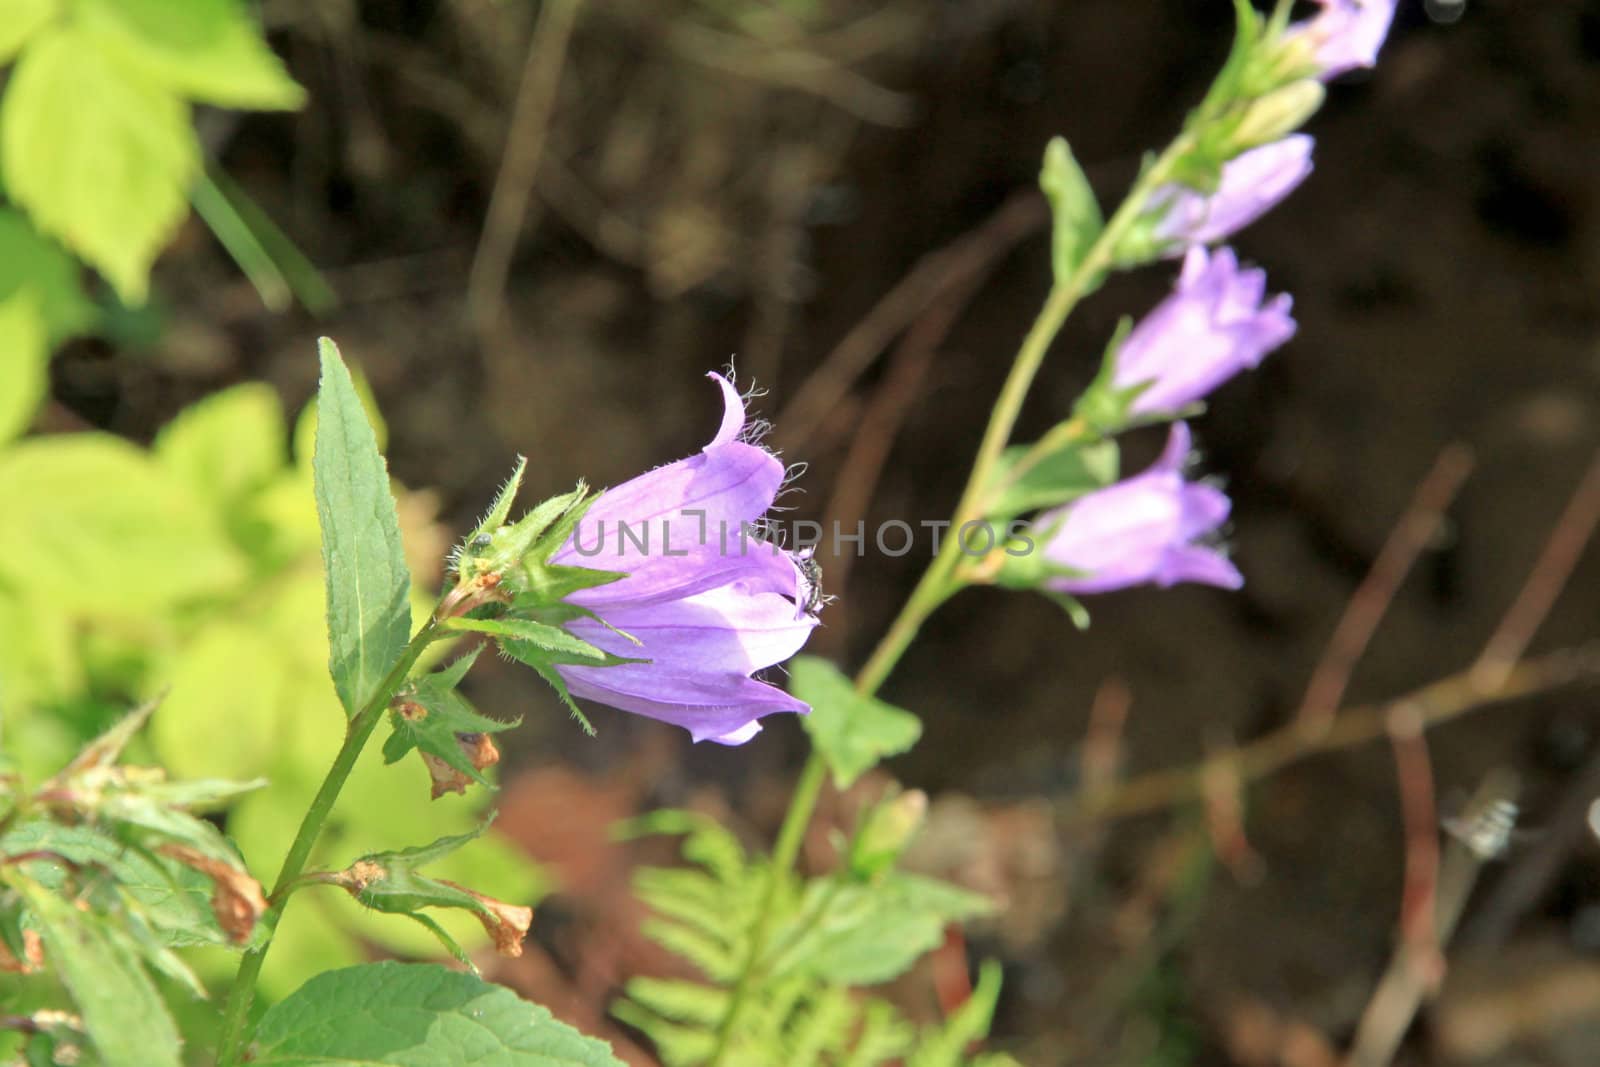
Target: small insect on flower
811	598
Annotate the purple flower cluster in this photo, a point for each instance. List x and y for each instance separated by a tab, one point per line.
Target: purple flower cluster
706	618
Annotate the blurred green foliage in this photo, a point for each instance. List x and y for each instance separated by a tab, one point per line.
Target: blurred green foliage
193	569
99	158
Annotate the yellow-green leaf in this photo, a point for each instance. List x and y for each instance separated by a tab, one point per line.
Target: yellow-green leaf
96	155
22	20
23	358
206	50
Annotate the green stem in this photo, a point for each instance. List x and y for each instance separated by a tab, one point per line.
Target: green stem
784	854
236	1011
940	582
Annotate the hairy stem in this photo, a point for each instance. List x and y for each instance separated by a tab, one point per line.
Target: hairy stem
236	1011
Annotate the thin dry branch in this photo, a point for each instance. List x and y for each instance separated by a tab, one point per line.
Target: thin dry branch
974	253
1416	529
519	166
1436	703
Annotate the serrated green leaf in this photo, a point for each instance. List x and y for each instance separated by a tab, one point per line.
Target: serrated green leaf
416	1015
91	524
369	610
175	899
1060	475
22	20
207	50
30	261
96	155
24	356
1075	214
853	732
122	1012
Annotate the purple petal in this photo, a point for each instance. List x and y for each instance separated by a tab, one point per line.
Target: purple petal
1196	563
1346	34
1252	184
726	629
1201	509
712	707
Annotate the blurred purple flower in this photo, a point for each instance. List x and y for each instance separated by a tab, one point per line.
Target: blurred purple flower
709	602
1345	34
1213	326
1252	184
1140	530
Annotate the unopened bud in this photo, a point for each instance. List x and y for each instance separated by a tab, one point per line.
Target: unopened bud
1278	113
887	830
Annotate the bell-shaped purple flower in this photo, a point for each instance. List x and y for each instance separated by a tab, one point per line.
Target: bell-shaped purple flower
1252	183
708	600
1146	529
1345	34
1216	323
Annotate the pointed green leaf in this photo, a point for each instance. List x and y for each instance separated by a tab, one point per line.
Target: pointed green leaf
1075	213
369	611
97	156
122	1012
495	517
852	732
207	50
416	1015
546	670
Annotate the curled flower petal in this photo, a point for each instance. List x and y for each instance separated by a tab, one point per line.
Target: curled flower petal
708	600
1144	530
1345	34
1252	183
1214	325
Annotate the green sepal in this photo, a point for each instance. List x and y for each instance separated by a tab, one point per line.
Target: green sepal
1074	469
546	669
550	583
398	889
448	943
546	638
495	517
1075	213
445	713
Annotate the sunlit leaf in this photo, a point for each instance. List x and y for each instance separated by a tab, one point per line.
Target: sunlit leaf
98	156
853	732
369	611
23	359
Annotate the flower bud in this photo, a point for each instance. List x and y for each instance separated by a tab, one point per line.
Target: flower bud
1278	113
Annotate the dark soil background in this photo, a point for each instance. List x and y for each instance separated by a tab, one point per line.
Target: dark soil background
703	196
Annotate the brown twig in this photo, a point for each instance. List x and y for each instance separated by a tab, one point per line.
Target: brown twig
1370	602
974	253
519	166
1420	811
1549	576
1413	971
1436	703
1102	741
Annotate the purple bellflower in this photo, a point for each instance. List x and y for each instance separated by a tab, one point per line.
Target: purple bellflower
708	600
1345	34
1216	323
1144	529
1252	183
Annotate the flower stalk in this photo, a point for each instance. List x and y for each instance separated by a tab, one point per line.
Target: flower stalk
236	1011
